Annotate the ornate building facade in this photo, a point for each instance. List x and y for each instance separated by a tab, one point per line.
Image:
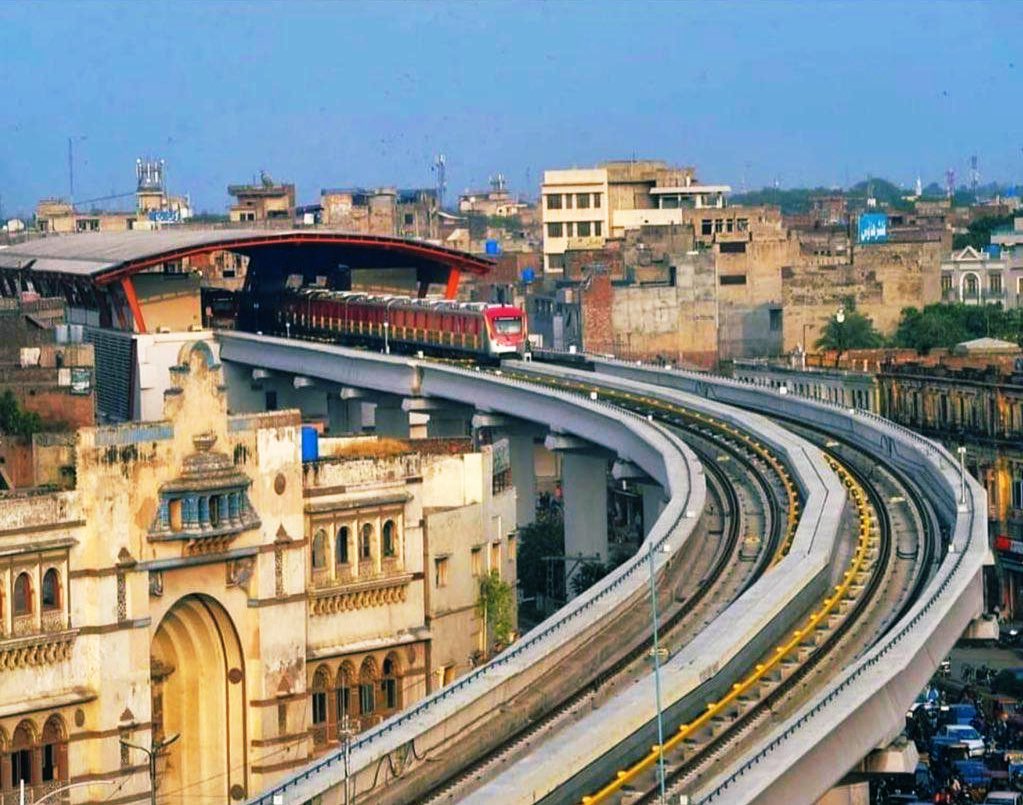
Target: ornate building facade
980	409
203	590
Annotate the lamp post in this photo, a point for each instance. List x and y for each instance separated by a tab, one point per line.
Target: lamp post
387	345
656	654
287	328
152	754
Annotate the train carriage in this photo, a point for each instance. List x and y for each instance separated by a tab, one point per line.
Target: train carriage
399	322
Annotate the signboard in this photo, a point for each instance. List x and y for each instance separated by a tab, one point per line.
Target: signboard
165	216
81	380
502	456
873	227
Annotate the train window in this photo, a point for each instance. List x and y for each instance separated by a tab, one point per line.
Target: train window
508	326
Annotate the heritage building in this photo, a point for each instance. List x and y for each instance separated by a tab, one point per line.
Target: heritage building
204	591
979	408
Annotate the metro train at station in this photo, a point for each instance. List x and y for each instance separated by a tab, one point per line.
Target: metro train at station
401	323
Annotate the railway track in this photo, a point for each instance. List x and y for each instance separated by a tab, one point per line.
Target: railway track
695	597
702	751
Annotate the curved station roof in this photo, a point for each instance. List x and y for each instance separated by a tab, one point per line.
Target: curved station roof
105	257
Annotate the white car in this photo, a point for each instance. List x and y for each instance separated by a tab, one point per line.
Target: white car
967	735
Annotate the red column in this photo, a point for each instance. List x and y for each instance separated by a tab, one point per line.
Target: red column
133	304
454	275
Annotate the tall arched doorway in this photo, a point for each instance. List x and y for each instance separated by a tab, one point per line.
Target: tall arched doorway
198	683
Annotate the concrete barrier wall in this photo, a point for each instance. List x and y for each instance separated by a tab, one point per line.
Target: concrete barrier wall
866	706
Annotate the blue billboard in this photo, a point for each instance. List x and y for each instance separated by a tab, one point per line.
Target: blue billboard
873	227
165	216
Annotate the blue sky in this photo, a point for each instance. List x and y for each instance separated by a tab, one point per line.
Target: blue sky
327	94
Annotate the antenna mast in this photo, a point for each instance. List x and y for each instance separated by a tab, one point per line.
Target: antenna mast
440	168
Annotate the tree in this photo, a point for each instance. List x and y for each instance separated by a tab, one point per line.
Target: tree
978	233
495	606
849	329
587	575
543	537
15	420
945	325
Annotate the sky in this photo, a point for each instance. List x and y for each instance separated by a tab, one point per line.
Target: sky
334	94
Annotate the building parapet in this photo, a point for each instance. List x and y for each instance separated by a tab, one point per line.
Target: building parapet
26	509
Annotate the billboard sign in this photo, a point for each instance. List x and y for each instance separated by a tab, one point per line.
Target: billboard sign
502	456
81	380
165	216
873	228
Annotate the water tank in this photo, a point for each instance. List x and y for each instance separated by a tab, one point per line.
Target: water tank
993	250
528	274
492	247
310	443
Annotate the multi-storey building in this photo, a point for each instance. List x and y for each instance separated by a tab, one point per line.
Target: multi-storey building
992	276
979	408
204	591
265	201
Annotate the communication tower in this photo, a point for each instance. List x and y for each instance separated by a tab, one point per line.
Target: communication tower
149	173
950	182
440	168
974	175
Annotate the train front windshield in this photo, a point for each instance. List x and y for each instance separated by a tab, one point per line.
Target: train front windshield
508	326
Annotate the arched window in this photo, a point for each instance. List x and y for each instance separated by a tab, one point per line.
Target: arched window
341	548
321	684
365	543
320	550
23	595
54	753
51	589
389	535
389	683
345	675
21	754
367	685
971	285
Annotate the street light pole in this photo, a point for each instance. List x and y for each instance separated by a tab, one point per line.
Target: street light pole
656	653
387	346
152	755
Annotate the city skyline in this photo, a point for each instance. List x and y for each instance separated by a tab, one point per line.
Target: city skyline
321	95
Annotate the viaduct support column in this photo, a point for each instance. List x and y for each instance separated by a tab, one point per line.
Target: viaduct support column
653	504
652	493
584	489
521	438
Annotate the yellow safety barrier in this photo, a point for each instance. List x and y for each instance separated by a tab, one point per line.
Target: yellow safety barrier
761	669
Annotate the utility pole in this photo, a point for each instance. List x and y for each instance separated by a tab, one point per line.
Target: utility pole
71	168
349	729
153	754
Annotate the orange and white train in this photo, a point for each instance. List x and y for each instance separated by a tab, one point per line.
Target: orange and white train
401	323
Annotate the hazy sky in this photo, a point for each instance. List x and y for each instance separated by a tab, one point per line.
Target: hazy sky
329	94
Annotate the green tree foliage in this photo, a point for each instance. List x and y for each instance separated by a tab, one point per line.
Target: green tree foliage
543	537
16	421
495	606
588	575
978	234
854	331
945	325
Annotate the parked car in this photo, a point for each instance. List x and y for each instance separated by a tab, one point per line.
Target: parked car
963	713
1003	798
967	735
